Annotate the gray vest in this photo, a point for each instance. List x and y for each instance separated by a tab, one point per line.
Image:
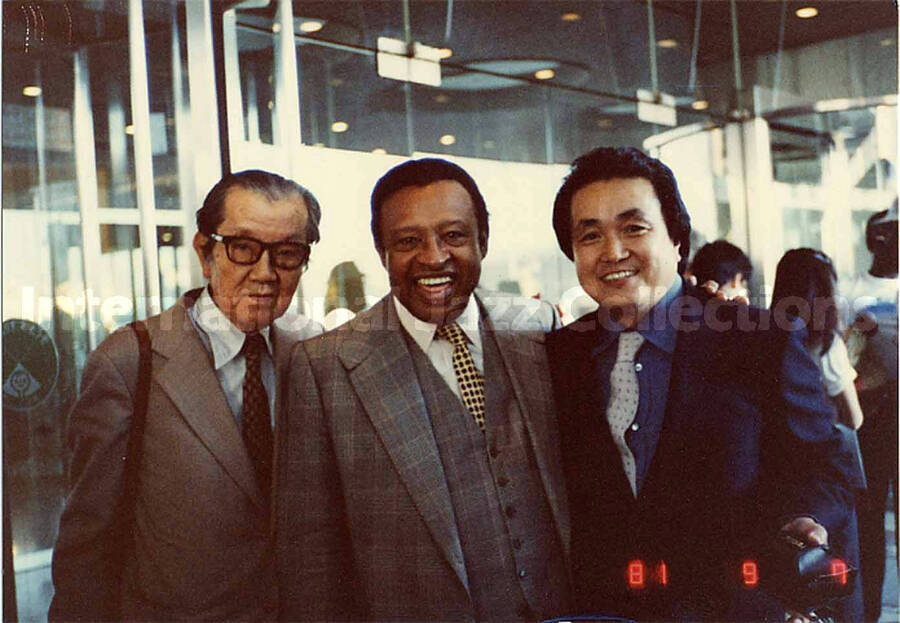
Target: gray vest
510	543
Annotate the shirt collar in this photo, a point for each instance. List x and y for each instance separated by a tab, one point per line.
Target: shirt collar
656	327
423	332
225	340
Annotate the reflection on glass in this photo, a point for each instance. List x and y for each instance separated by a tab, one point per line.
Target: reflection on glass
174	264
111	105
121	274
256	61
162	43
33	440
802	228
38	150
331	82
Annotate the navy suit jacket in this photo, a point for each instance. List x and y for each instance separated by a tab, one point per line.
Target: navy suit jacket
747	443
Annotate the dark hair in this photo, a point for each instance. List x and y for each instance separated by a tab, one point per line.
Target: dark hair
881	231
273	186
606	163
422	173
720	261
805	280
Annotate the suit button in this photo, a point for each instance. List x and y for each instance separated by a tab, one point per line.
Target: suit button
517	543
510	511
635	426
638	367
521	573
502	481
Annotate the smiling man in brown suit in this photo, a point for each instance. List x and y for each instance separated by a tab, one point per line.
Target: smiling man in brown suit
420	476
200	544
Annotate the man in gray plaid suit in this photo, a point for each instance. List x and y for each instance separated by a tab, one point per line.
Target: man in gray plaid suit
419	472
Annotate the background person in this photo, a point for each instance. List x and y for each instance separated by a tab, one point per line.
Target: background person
724	263
805	284
874	347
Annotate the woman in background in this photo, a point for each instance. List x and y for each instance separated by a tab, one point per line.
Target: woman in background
805	287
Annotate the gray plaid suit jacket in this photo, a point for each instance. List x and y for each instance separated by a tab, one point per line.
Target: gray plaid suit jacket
366	530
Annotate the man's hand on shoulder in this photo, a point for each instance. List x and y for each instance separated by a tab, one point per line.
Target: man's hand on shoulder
714	289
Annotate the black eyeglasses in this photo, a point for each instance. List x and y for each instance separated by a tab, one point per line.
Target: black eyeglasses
245	250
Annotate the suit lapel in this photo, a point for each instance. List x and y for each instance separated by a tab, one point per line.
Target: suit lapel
195	391
381	372
524	356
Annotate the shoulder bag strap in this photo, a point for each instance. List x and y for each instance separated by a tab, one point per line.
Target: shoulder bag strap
138	421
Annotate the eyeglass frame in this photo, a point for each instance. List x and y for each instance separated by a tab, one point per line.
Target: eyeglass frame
266	246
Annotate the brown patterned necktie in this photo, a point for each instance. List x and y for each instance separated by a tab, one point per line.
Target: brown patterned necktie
470	380
257	423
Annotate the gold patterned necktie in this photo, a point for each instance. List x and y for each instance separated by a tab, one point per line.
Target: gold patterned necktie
257	423
469	379
623	400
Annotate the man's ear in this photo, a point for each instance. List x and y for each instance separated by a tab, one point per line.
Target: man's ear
200	241
483	246
382	255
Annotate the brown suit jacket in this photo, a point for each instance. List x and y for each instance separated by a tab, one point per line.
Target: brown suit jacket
202	537
366	529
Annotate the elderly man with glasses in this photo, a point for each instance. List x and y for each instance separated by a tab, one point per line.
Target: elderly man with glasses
192	538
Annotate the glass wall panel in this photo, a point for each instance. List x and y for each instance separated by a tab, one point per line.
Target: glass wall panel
166	63
332	112
113	129
38	149
175	254
121	277
256	62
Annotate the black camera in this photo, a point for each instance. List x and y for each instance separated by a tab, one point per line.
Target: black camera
807	578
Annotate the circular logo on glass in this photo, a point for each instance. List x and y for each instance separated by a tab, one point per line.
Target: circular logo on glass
30	364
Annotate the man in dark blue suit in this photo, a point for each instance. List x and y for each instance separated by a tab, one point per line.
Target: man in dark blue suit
689	455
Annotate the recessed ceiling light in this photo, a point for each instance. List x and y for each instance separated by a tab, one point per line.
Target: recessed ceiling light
276	27
806	12
31	91
570	17
311	25
447	139
667	43
489	144
604	123
445	53
544	74
129	129
700	105
441	98
339	126
336	82
379	150
886	42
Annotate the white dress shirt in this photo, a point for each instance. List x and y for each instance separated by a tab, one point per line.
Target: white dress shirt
224	342
440	352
